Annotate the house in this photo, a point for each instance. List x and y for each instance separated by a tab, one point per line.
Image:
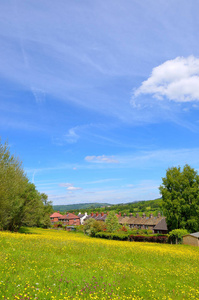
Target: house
55	217
82	217
156	224
98	217
161	227
191	239
68	219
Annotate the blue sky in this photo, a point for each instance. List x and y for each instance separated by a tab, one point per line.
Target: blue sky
99	98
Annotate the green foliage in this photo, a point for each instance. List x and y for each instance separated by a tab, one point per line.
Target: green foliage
97	226
87	226
163	239
21	204
112	223
77	207
113	236
91	227
148	206
180	195
136	231
176	235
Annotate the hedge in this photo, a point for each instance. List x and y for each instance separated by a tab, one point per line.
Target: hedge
129	237
154	239
113	236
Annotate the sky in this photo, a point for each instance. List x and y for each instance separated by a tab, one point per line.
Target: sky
99	98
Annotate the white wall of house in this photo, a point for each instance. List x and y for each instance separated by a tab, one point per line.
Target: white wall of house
82	218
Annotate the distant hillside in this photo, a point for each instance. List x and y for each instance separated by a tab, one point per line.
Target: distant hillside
79	206
147	207
144	206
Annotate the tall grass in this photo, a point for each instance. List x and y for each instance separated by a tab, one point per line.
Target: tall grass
50	264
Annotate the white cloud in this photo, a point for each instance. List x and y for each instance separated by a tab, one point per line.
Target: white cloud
71	137
101	159
73	188
67	184
70	187
177	80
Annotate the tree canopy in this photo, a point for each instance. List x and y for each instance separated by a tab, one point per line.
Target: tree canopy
180	196
20	203
112	223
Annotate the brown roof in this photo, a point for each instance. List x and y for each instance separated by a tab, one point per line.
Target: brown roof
69	216
138	220
161	225
55	215
123	220
150	221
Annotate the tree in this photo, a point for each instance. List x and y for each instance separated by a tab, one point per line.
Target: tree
88	225
176	236
112	223
47	210
20	203
12	185
180	195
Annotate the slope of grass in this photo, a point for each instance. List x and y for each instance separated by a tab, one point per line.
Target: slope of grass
50	264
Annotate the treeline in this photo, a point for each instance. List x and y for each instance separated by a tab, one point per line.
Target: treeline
147	207
79	206
20	203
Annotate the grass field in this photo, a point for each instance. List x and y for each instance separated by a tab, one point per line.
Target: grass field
50	264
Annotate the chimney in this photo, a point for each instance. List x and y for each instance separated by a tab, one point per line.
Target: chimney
97	214
102	214
130	215
120	213
91	214
151	215
124	215
137	215
143	215
159	215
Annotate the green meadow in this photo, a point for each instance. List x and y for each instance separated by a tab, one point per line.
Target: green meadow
52	264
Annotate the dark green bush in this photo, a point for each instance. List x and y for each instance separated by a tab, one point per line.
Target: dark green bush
113	236
145	238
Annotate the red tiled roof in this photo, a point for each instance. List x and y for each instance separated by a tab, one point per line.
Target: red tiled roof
70	216
55	215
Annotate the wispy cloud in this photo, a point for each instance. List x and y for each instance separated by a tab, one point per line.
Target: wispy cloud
101	159
103	180
142	190
73	188
71	137
67	184
176	80
70	187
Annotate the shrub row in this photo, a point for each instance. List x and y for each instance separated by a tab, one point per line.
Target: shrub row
113	236
137	238
154	239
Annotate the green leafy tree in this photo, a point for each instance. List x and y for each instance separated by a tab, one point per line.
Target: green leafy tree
112	223
92	226
12	185
88	225
176	236
180	195
47	210
20	203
